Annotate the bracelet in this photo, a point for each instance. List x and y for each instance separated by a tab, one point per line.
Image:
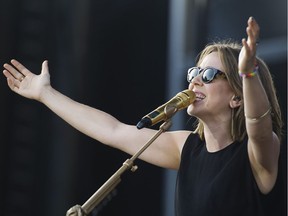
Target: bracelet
251	74
260	117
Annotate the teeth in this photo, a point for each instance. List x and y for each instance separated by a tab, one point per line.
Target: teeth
200	96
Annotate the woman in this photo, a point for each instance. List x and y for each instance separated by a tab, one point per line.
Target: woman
229	163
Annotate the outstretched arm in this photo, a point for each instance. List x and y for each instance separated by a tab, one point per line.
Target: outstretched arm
263	144
164	152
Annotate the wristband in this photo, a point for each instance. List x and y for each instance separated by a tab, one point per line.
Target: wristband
251	74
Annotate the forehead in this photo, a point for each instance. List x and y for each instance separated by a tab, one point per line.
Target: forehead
212	60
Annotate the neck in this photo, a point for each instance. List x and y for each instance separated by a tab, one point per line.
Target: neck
217	136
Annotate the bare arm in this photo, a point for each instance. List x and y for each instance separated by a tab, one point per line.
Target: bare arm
263	144
164	152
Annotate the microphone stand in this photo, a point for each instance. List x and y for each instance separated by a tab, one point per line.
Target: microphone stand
115	179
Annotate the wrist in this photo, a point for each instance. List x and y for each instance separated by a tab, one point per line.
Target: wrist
249	74
45	94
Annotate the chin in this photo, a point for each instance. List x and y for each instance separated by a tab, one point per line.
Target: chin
193	110
190	110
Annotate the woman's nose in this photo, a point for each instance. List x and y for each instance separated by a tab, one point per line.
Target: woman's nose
196	81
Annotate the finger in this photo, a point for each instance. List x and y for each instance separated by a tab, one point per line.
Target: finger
13	83
249	51
250	36
13	72
8	75
253	23
254	27
251	40
20	67
245	45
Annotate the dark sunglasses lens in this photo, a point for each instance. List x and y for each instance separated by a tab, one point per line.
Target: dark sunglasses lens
192	73
208	75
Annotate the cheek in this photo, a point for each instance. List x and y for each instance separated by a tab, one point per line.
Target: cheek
220	95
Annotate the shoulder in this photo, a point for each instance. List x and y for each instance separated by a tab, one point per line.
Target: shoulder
191	144
192	139
181	140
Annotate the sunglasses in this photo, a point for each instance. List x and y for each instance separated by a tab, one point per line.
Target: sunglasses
208	74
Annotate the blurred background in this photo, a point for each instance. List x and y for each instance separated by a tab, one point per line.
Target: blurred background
124	57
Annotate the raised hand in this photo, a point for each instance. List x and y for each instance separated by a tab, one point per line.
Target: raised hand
247	55
24	82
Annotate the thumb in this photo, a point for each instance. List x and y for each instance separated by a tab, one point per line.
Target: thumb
45	68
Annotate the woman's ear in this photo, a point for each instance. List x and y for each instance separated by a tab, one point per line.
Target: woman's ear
235	101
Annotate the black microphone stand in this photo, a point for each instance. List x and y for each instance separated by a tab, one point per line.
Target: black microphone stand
115	179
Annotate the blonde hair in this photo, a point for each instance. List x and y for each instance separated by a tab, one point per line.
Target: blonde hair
228	52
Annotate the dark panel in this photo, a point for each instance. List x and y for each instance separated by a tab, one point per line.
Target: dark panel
48	166
125	76
229	18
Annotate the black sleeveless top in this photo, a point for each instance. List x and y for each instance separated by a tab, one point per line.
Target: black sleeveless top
219	183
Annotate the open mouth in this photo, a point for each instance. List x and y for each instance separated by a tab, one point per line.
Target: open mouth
199	96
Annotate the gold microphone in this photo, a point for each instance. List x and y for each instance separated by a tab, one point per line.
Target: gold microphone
182	100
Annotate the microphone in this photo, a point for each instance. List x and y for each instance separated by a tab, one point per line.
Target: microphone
180	101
